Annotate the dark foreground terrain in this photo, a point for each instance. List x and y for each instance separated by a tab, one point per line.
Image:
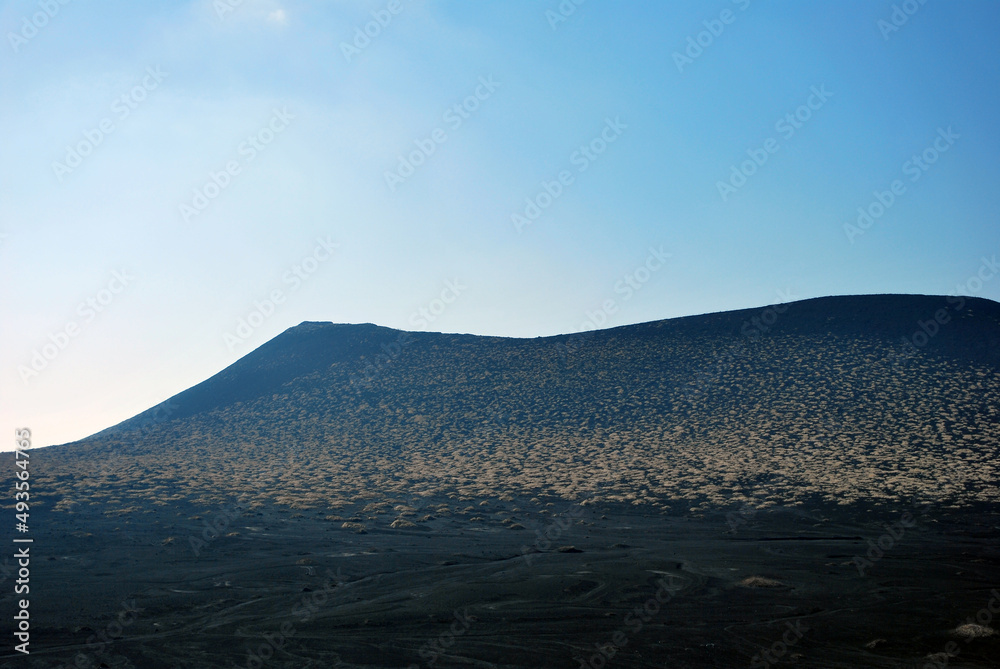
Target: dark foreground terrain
811	484
651	590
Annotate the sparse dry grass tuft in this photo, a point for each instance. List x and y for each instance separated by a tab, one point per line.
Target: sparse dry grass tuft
973	631
359	528
760	582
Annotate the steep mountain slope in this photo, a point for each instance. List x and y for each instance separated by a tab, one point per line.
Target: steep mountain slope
819	398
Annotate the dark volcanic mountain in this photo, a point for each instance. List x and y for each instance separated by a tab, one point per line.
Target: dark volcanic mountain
811	484
820	397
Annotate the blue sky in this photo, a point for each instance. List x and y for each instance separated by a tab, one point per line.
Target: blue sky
235	154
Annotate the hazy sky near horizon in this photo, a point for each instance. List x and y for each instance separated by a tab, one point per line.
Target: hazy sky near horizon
172	169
